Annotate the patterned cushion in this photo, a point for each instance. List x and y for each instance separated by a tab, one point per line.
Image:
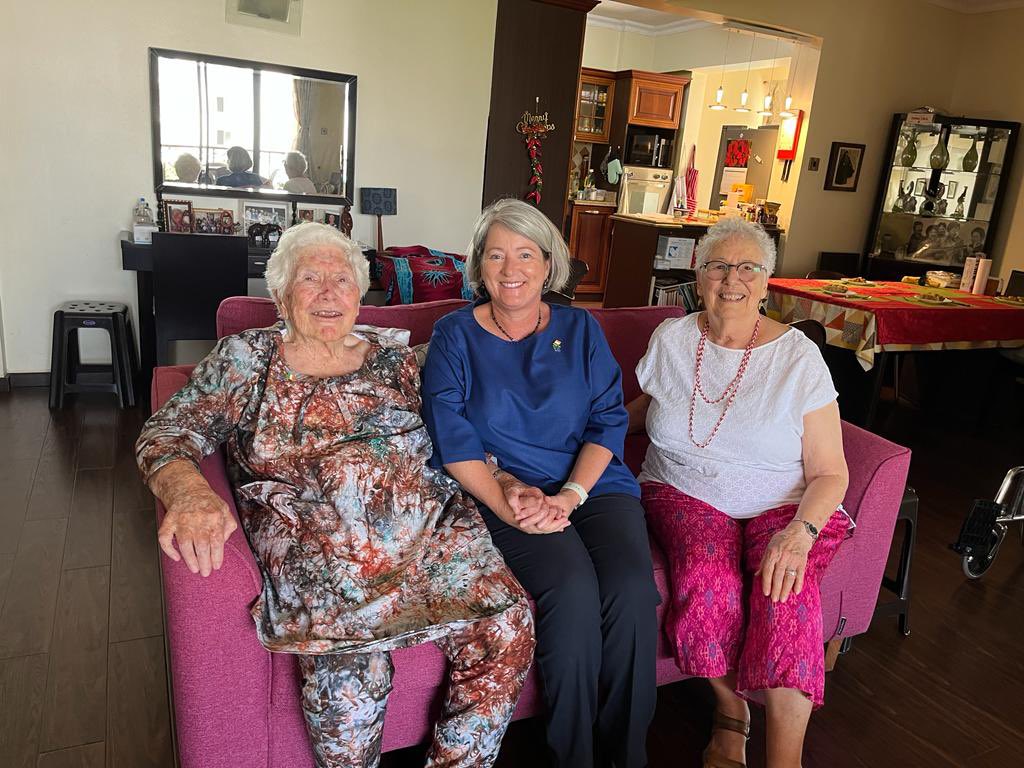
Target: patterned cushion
416	274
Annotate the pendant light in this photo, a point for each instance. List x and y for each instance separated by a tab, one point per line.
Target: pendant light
786	110
717	104
745	95
766	106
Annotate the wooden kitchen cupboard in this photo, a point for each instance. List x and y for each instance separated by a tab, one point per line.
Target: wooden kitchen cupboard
589	241
655	100
594	100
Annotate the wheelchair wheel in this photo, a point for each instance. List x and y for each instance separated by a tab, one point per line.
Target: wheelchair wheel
980	560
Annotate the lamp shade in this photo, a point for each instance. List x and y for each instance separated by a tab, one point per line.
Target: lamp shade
378	201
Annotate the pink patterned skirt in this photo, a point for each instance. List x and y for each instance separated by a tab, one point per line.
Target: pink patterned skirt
717	620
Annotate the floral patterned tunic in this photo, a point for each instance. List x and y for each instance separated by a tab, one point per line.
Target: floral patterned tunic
362	546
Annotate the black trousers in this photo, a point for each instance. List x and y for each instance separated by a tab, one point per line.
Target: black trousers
596	627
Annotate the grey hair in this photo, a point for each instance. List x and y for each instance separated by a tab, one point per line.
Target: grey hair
285	258
239	159
733	228
523	219
187	166
295	161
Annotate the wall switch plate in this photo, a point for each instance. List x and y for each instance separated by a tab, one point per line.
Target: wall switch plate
813	163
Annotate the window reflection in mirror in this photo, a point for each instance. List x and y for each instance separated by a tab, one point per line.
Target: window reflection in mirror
232	126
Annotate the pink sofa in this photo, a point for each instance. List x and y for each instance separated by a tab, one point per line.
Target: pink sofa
236	704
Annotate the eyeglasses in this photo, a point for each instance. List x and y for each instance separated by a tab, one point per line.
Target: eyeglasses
719	270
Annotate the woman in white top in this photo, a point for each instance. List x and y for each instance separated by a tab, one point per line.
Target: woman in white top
742	485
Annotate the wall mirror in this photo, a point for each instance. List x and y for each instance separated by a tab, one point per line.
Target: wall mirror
234	128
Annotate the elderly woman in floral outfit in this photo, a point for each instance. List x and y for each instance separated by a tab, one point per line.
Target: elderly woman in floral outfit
363	547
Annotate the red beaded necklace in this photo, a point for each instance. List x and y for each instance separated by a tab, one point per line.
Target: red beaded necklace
730	391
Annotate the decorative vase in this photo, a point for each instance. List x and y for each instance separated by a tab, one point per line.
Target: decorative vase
909	155
939	157
970	161
897	204
958	212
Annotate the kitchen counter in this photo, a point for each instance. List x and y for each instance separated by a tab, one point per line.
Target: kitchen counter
631	255
598	203
665	221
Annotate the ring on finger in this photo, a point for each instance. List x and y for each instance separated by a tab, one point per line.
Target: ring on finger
791	572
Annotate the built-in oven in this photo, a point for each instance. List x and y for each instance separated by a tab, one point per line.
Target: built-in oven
649	149
644	190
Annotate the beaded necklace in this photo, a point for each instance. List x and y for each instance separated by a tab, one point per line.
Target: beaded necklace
507	334
729	395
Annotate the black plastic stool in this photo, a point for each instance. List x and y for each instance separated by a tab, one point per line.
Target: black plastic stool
65	365
900	585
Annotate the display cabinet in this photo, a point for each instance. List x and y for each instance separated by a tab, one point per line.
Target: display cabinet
594	105
940	193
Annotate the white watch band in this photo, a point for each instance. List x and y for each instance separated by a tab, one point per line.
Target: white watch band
578	489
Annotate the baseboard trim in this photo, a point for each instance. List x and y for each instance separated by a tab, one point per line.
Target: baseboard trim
23	380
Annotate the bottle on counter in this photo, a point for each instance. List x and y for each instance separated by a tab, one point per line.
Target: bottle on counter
143	225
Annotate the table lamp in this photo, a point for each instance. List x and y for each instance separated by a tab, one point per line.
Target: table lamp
379	201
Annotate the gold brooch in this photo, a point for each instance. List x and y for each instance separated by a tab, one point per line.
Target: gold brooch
557	345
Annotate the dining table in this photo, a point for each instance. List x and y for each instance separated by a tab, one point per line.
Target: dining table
879	320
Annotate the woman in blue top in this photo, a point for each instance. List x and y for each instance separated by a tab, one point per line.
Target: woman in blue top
523	401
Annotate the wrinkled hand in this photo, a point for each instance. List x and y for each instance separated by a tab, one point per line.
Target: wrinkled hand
787	551
201	522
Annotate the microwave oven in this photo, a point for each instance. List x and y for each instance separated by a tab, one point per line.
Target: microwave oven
650	150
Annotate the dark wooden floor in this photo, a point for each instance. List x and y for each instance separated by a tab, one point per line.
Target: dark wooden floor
82	676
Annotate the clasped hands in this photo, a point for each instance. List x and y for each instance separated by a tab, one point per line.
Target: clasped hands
533	511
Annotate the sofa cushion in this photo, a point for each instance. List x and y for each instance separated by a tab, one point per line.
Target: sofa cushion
414	274
628	329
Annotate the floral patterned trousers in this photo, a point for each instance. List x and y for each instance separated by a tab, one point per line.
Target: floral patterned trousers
711	628
344	696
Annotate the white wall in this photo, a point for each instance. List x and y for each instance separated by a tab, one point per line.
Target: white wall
76	129
615	50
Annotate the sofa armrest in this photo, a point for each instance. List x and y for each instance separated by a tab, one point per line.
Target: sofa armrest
878	477
220	674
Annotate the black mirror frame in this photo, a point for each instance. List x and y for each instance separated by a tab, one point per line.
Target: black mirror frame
248	193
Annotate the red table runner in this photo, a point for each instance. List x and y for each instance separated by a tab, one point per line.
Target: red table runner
899	319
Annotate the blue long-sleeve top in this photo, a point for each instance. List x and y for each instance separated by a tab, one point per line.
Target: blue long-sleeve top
532	404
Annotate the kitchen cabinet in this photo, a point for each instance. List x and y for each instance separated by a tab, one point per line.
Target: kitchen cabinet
655	100
589	241
595	96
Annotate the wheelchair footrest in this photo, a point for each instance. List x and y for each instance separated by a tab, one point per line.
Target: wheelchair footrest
977	529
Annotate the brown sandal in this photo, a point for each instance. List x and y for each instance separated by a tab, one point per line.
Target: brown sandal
723	723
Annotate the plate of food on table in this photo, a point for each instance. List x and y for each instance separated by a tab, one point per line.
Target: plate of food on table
841	290
1013	301
858	281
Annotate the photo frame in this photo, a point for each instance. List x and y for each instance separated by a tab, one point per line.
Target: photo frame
330	216
305	213
919	187
844	164
951	189
178	216
213	221
259	212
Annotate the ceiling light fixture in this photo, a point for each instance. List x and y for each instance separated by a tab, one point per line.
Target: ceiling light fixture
766	108
717	105
745	95
786	110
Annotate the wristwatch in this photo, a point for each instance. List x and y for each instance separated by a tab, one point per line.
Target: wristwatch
811	529
578	489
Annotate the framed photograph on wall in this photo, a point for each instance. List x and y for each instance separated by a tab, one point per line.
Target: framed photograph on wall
844	163
264	213
178	216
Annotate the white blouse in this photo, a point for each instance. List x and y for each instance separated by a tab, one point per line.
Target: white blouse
755	462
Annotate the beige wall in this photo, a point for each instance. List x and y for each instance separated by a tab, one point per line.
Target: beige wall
988	84
76	132
615	49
